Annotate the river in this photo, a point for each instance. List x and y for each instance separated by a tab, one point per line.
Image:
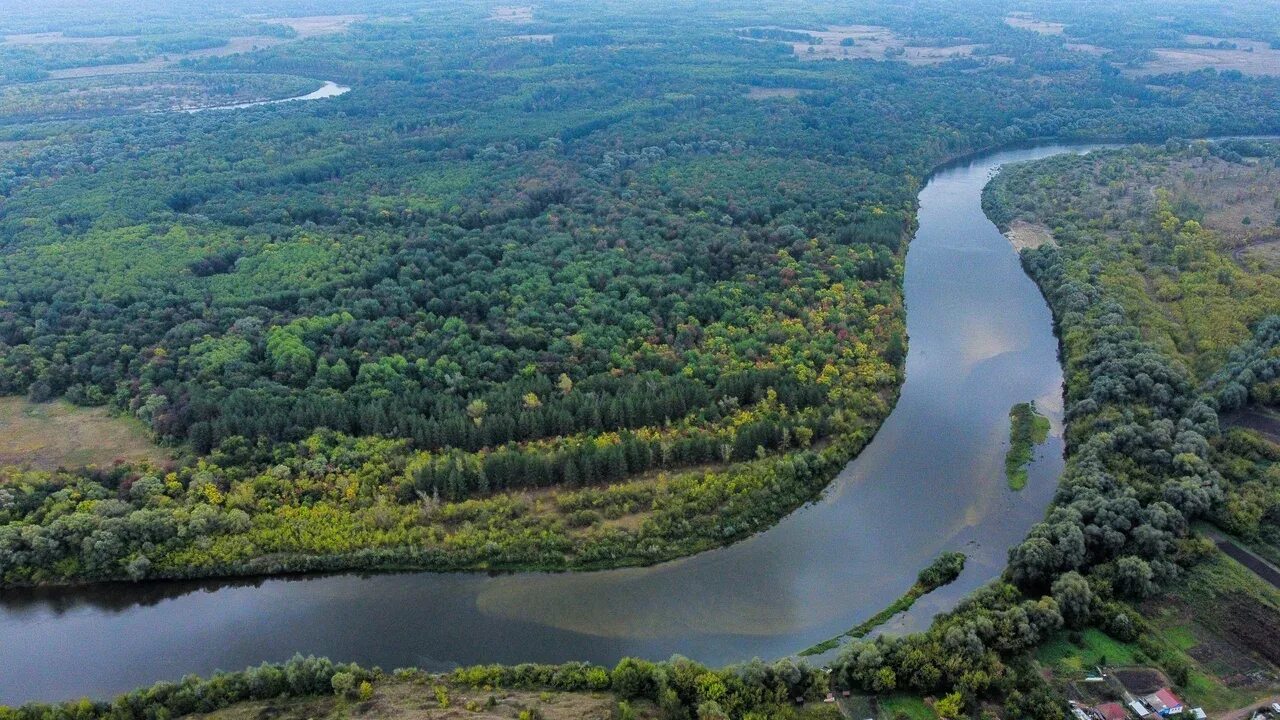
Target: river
932	480
327	90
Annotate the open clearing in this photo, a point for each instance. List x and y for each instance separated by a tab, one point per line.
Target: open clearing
305	27
1024	21
416	699
313	25
1240	202
768	93
59	38
165	62
1023	234
1252	57
512	13
1219	623
1267	255
869	42
1086	48
532	38
45	436
1261	420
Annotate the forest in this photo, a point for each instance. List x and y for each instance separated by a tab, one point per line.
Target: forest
576	303
595	289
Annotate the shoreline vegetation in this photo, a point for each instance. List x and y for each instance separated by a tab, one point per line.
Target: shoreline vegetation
1027	429
942	571
633	689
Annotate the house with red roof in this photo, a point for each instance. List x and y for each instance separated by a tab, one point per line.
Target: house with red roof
1164	702
1111	711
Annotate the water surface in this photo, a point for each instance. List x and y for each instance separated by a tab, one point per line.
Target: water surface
932	480
327	90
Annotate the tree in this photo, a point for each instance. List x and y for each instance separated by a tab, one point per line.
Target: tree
634	678
476	410
950	707
1074	597
344	684
1134	577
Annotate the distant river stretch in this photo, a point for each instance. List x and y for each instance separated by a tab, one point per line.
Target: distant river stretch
327	90
932	480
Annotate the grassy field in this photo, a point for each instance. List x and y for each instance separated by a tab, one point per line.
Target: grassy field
894	707
48	435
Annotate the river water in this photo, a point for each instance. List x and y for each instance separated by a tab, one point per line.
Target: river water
327	90
932	480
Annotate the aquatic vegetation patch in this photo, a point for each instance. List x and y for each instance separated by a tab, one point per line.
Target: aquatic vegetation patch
1027	428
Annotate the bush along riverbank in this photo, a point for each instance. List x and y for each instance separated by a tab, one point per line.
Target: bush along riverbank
677	688
942	571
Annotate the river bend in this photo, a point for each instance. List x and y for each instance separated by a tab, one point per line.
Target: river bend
932	480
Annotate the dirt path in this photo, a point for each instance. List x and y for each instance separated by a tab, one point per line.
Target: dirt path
1246	712
1246	557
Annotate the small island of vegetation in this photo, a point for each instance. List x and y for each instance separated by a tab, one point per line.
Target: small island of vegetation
1028	428
942	571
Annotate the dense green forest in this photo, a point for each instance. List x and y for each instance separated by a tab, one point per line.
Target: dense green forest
1163	327
510	302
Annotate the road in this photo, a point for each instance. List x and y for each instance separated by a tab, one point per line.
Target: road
1261	567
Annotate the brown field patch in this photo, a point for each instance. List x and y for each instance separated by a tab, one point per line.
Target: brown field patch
1266	255
1252	57
1086	48
416	700
1141	681
532	38
1023	234
767	93
512	13
870	42
1239	201
305	27
233	46
59	38
1024	21
313	25
1261	420
45	436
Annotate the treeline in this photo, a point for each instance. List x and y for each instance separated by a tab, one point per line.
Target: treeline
522	410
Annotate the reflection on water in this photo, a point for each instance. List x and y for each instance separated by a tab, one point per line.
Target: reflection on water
932	480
